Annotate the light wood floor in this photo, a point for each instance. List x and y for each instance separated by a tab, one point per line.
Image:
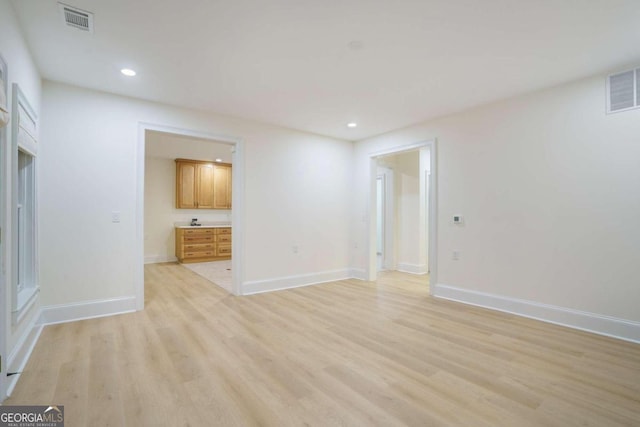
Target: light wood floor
346	353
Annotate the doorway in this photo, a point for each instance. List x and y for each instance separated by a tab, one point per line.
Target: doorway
385	219
403	209
235	148
380	225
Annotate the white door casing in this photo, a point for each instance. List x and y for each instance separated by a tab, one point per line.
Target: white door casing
430	192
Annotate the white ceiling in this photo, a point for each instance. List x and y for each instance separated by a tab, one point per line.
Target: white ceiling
289	62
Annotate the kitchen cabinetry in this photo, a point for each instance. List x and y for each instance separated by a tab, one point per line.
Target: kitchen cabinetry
222	186
200	244
202	185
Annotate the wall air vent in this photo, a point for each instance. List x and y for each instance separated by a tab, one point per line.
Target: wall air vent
77	18
623	91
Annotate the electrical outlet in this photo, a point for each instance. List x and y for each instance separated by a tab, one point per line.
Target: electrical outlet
115	216
455	255
294	249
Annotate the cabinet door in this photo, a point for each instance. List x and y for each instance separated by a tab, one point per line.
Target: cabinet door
186	185
222	187
205	184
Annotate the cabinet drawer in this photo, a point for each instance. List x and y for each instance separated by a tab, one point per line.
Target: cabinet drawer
223	238
198	231
193	247
202	254
199	239
224	249
223	231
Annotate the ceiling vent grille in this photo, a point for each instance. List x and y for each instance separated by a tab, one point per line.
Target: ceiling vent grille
77	18
623	91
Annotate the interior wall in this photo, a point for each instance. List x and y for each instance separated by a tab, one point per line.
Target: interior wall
294	189
21	70
547	184
160	212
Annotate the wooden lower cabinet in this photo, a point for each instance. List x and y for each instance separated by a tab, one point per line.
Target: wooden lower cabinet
203	244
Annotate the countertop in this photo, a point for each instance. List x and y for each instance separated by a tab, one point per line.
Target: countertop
203	225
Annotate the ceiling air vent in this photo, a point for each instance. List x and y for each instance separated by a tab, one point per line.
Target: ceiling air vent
623	91
77	18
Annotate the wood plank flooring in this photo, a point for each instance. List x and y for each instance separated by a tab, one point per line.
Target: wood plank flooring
346	353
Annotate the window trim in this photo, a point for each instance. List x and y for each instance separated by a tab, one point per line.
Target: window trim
24	298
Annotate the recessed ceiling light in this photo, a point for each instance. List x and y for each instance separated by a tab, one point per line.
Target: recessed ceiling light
128	72
218	160
352	125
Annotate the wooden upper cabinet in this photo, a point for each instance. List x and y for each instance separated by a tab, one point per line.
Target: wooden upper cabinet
186	185
222	186
202	185
205	186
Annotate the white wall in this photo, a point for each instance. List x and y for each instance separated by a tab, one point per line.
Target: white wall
548	185
297	189
21	70
160	211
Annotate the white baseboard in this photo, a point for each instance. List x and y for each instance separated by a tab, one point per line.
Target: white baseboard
288	282
603	325
358	273
53	314
412	268
155	259
21	352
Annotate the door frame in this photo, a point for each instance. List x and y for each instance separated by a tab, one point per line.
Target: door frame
4	194
237	195
431	145
388	233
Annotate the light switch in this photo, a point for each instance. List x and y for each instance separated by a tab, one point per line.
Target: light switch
458	219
